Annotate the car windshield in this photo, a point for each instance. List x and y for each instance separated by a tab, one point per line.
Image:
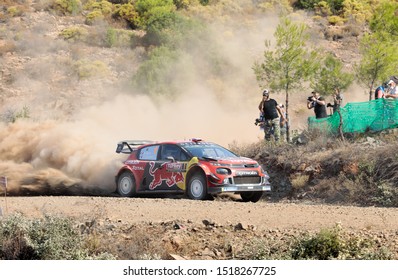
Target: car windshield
208	150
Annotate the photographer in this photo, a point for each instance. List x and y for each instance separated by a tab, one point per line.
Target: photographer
272	115
318	103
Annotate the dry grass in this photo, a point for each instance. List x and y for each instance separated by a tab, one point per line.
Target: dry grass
362	170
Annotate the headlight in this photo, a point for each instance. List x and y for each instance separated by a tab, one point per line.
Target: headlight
223	171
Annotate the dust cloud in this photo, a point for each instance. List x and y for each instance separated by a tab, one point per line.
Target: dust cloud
68	145
75	155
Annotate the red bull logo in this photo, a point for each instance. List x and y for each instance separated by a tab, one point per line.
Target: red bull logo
163	173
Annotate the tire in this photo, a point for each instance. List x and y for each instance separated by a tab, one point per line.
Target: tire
197	187
126	184
251	196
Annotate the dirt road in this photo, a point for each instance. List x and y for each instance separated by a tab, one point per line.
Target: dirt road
262	215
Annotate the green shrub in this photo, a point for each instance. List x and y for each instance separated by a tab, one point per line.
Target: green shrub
161	28
155	74
74	34
128	13
154	11
67	7
14	11
181	4
173	30
336	244
359	11
328	244
11	116
306	4
89	69
264	249
48	239
118	37
386	195
111	37
335	6
335	20
322	8
105	7
94	16
325	245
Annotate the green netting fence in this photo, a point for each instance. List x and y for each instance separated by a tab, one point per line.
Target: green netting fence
375	115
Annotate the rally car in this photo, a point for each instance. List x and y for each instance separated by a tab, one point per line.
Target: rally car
196	168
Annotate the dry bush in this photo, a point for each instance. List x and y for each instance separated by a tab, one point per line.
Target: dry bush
91	69
74	34
299	181
326	169
133	243
46	239
330	243
7	47
67	7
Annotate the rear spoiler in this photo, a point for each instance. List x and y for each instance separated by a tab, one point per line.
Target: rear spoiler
127	146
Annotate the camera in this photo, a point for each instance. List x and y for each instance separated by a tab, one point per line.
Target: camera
259	120
329	105
309	98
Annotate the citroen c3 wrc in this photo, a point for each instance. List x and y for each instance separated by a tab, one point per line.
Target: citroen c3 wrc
196	168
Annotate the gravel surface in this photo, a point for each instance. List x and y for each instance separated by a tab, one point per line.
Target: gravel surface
263	215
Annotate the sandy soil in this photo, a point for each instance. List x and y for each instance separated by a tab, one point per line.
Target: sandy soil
262	215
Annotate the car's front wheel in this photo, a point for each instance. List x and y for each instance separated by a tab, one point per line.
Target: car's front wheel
251	196
126	184
197	187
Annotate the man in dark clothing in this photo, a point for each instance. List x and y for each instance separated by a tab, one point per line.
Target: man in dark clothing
272	116
318	103
381	91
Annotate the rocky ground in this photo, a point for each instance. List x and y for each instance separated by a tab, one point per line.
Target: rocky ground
219	229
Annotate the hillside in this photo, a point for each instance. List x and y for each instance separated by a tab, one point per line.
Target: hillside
69	92
74	98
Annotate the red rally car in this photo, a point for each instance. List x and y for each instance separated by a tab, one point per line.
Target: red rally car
195	168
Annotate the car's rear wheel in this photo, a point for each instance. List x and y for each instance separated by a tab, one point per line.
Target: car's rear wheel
251	196
197	187
126	184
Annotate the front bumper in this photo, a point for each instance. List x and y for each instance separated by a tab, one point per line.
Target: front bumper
239	188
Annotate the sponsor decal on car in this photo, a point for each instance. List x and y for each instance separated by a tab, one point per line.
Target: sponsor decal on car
246	173
176	167
161	174
137	168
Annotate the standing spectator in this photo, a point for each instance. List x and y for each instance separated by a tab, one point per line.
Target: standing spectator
272	116
318	103
392	90
381	91
337	99
283	122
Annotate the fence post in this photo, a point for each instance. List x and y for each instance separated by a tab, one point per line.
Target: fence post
3	182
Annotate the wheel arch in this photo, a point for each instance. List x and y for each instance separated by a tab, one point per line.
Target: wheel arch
191	172
122	170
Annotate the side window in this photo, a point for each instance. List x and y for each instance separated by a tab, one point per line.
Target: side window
149	153
174	151
184	156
